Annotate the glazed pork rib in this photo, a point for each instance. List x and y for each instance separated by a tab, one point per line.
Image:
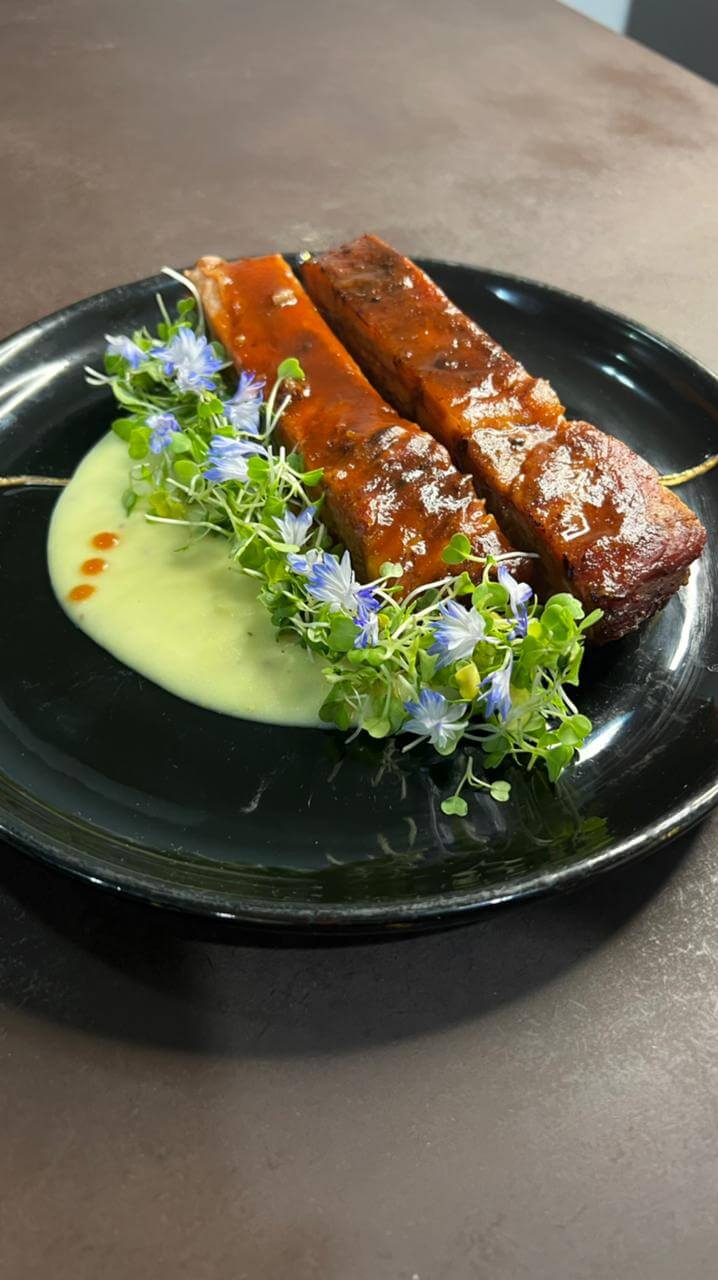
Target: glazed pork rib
391	491
603	525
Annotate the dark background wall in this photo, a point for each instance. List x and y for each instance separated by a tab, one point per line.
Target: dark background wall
684	30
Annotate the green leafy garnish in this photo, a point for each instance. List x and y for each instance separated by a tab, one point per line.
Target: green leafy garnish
457	550
472	659
290	369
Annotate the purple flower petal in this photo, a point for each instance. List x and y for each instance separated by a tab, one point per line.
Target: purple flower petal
163	427
121	345
190	360
437	719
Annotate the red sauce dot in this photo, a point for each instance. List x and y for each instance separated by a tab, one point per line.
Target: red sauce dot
105	541
81	591
95	565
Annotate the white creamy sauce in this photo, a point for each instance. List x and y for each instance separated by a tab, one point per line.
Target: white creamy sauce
184	618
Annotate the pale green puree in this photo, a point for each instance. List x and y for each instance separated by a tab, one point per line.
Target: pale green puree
184	618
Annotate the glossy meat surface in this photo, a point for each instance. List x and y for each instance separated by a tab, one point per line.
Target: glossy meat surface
391	491
596	513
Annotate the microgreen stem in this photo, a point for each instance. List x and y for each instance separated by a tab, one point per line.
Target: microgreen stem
692	473
17	482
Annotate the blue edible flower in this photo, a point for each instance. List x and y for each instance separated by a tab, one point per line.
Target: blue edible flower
294	530
304	564
189	358
163	427
497	691
519	595
457	632
228	458
242	410
368	622
121	345
333	582
437	719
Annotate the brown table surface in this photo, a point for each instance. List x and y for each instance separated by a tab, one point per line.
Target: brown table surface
535	1095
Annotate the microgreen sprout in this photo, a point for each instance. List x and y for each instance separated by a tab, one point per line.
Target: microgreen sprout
455	804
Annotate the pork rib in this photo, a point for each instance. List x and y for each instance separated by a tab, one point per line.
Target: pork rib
603	525
391	491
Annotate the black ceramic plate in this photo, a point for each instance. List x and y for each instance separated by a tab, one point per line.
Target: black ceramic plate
110	777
